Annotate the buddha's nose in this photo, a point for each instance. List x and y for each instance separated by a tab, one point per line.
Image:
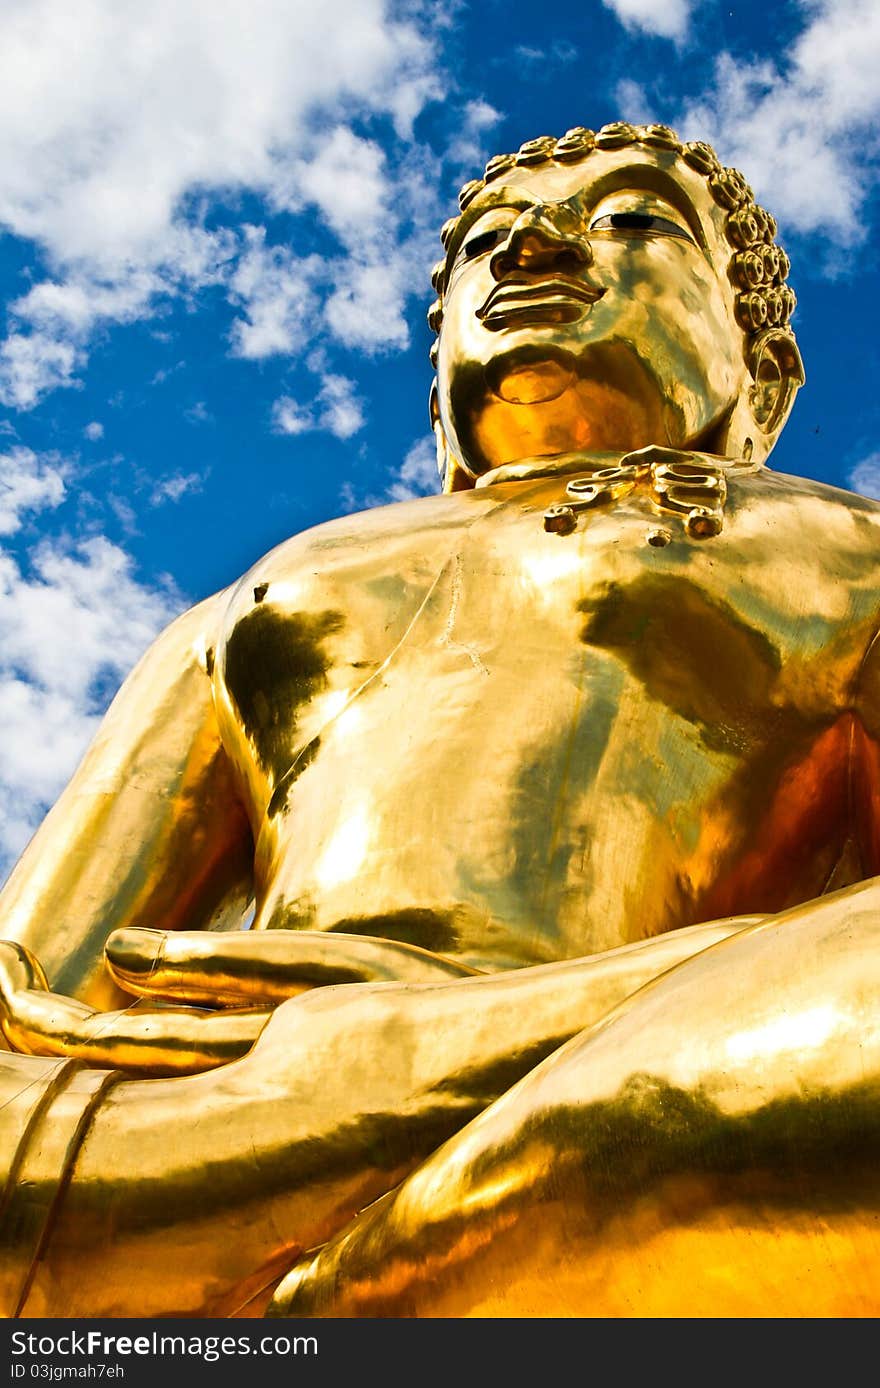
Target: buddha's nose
544	239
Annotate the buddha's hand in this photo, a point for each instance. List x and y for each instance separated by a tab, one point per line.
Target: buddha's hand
223	988
181	1041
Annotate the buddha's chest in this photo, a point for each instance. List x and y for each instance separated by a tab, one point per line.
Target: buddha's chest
512	626
707	625
544	715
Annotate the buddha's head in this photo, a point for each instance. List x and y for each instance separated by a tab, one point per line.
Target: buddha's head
604	292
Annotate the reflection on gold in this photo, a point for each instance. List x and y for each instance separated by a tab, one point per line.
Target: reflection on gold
554	801
804	1031
344	856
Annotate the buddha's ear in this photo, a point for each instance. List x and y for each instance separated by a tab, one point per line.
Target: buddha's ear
776	374
453	477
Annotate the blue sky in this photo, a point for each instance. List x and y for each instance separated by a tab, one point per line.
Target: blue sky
218	222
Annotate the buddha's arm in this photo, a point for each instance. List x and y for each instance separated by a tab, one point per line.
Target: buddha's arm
254	971
150	830
710	1149
189	1195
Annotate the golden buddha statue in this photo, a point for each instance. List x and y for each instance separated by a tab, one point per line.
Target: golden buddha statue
568	779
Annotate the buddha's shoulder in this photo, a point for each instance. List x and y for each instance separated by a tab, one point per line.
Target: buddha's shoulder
772	487
806	508
403	544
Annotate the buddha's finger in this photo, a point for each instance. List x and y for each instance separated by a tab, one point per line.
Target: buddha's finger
179	1042
19	969
262	967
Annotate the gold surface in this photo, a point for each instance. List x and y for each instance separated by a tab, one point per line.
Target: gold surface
557	801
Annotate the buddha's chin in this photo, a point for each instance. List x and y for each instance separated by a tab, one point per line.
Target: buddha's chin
532	383
569	415
542	399
520	382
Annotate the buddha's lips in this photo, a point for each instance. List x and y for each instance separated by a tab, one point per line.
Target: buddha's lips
513	293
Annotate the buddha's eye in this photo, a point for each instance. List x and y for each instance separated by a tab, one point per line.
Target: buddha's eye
483	241
639	221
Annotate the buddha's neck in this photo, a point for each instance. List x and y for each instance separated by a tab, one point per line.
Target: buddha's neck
567	464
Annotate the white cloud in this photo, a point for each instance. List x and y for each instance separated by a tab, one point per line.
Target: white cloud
53	322
119	124
346	179
68	633
633	103
28	483
479	115
336	409
33	768
79	617
73	619
76	305
666	18
469	149
174	487
365	309
124	512
865	476
801	133
341	410
32	364
165	371
290	418
557	54
111	113
94	431
275	290
418	474
361	295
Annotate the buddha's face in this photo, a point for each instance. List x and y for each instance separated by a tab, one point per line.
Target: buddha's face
588	308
